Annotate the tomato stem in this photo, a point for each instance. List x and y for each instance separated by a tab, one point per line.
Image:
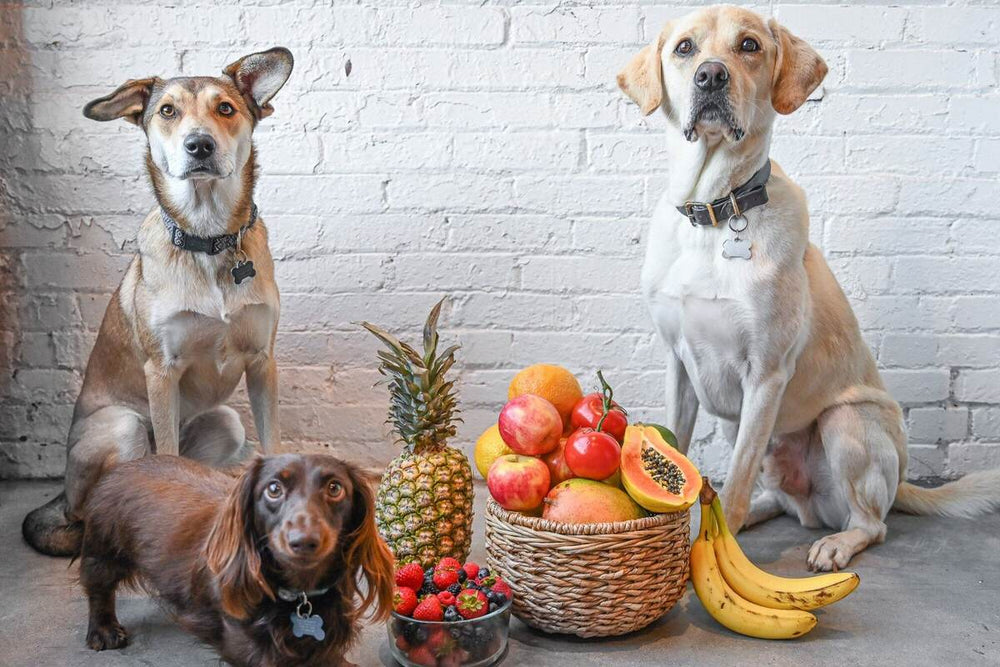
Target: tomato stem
606	395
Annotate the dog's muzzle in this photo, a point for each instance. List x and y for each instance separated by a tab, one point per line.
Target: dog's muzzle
200	150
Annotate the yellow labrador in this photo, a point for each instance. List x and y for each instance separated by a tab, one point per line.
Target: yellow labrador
198	306
759	332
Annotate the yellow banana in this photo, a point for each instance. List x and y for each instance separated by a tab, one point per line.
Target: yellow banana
770	590
728	608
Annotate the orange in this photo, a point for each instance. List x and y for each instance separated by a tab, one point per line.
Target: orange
553	383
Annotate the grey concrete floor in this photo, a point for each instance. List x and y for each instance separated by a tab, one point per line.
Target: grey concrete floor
929	596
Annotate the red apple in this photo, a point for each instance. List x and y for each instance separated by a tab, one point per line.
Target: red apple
530	425
556	461
592	454
588	412
518	482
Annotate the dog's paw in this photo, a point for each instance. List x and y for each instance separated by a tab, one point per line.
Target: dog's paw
829	554
107	637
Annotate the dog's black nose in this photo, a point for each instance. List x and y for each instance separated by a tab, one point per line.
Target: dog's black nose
711	76
302	543
199	145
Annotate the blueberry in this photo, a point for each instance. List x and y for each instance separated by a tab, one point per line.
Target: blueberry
471	584
451	614
462	576
484	572
499	598
493	607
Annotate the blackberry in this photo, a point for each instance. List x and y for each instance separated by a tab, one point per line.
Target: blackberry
455	589
414	633
429	571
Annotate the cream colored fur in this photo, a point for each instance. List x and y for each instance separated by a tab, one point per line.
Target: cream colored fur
770	345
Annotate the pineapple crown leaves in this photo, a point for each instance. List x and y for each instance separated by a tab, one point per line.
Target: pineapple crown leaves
423	403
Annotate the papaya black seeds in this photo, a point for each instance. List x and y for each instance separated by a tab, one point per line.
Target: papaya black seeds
663	471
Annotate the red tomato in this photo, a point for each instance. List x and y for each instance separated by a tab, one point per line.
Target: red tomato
588	411
592	454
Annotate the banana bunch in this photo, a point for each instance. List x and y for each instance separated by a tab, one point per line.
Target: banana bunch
746	599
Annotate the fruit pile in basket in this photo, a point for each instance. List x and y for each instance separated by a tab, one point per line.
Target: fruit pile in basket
449	614
567	457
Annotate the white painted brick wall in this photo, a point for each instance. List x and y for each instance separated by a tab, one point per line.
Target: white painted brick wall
481	149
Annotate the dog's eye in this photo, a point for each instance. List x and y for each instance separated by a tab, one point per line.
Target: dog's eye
336	490
167	111
226	109
684	47
274	490
750	45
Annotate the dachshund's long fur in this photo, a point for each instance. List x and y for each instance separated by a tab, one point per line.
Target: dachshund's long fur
218	549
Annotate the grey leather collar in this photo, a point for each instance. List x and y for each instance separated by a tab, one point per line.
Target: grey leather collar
210	245
291	596
747	196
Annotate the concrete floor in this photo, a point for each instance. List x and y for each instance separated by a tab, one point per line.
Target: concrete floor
930	595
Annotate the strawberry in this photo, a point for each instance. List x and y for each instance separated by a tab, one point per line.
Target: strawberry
437	640
444	577
471	603
448	563
500	586
471	569
411	576
402	644
404	601
429	609
422	655
446	598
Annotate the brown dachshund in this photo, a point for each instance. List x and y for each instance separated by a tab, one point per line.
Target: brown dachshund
264	568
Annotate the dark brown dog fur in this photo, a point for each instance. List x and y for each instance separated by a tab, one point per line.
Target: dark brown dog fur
217	549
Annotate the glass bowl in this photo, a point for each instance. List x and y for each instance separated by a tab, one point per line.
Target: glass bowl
475	642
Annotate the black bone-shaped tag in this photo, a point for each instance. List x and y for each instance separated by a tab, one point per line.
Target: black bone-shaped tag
242	271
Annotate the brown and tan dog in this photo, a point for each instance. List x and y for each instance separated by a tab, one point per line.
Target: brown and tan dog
198	306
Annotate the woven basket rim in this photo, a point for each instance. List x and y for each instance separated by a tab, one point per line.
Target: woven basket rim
610	528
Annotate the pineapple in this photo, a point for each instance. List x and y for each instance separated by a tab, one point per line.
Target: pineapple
424	502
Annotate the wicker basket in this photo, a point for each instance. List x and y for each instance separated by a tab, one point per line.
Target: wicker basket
589	580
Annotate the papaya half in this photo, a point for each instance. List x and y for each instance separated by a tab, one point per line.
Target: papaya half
656	475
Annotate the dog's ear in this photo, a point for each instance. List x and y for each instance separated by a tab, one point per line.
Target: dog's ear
259	76
798	69
642	78
231	551
366	551
128	102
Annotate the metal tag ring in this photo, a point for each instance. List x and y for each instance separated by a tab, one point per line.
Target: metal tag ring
738	223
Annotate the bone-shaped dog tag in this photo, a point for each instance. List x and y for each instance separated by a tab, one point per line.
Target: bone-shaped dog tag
243	271
736	248
308	625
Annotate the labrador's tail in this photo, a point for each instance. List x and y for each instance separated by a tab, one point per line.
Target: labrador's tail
976	493
48	530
